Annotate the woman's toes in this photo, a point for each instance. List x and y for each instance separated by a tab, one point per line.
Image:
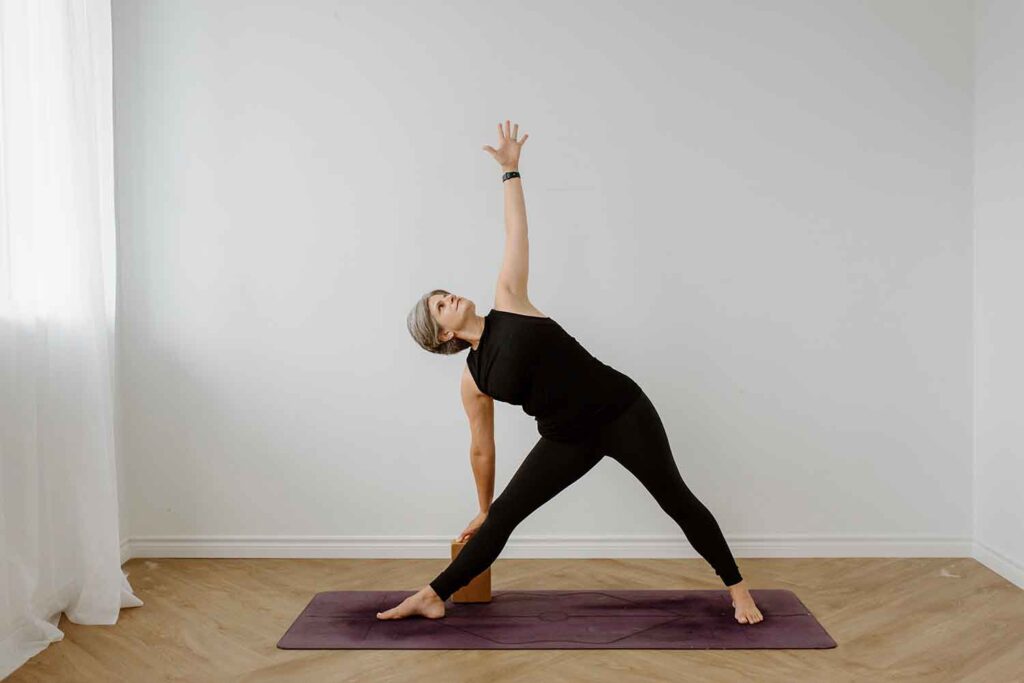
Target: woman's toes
388	614
749	616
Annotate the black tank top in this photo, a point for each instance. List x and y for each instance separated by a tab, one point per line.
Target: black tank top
532	362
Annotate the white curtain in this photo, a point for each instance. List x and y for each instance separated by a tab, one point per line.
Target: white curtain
59	540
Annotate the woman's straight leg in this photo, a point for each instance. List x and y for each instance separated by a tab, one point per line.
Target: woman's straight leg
637	440
548	468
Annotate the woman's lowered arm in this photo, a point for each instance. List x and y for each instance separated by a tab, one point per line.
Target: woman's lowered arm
515	264
480	411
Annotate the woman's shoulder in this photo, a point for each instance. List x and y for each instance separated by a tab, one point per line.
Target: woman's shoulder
508	303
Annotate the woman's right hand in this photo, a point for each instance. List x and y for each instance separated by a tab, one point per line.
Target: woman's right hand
507	154
472	527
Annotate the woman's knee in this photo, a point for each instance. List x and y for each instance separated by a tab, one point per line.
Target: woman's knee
506	512
683	508
499	511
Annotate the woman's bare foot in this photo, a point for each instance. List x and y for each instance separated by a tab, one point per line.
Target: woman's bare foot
746	610
425	603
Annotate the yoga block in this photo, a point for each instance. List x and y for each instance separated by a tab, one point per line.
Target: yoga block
477	590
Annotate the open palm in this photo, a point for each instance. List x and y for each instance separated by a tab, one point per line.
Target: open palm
507	153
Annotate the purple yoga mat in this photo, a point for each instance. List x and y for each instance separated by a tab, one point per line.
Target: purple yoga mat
558	619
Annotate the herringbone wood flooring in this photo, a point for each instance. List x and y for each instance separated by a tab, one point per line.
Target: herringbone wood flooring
919	619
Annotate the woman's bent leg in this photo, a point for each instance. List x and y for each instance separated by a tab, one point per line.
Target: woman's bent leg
548	468
637	440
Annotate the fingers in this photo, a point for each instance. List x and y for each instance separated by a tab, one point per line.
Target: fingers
507	133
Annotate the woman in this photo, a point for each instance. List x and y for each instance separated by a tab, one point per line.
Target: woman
584	411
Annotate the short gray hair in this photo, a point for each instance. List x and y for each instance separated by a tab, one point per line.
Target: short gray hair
425	330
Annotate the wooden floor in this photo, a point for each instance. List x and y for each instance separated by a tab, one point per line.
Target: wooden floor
920	619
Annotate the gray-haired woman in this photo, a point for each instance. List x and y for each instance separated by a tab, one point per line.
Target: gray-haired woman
584	409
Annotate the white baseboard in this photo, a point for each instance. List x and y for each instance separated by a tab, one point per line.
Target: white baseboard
547	547
999	563
544	547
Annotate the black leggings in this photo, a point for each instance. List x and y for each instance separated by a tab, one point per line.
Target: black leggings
637	440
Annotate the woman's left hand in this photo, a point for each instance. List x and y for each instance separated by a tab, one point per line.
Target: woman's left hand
507	154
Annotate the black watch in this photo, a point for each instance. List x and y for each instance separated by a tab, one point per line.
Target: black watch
509	174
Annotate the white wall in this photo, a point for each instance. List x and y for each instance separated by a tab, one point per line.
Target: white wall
999	250
763	215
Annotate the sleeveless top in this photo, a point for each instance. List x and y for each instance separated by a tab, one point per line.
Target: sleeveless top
532	362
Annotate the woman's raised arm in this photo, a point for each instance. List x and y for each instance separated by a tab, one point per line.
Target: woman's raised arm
515	265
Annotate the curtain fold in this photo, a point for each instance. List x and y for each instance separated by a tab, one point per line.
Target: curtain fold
59	531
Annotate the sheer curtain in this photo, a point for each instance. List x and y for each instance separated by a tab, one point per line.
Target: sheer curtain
59	545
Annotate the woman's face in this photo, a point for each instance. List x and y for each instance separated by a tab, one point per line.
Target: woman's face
451	312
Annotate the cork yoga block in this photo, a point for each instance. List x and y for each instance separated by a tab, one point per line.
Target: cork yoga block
477	590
